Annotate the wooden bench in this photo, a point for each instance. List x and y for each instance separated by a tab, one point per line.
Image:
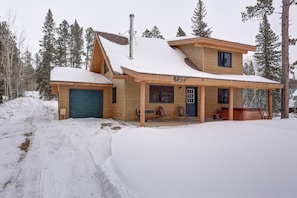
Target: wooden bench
150	114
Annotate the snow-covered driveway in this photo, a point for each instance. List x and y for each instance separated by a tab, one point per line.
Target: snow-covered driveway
63	157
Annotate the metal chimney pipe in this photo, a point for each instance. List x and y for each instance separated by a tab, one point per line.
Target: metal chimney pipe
131	32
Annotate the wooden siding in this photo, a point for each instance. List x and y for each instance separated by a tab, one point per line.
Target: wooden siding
64	98
118	111
97	58
211	63
211	101
132	90
128	100
215	44
206	59
194	54
170	108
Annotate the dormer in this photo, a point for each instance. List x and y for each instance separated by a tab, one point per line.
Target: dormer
213	55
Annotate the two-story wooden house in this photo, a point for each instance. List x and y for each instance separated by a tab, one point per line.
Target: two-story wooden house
203	75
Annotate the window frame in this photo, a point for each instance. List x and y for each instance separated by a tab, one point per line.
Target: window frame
223	59
114	95
161	94
223	96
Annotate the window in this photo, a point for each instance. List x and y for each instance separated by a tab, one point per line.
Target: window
191	96
223	96
224	59
114	95
161	94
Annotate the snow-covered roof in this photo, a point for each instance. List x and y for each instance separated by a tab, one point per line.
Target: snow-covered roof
68	74
155	56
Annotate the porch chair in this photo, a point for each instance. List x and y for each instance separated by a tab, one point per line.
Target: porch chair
162	113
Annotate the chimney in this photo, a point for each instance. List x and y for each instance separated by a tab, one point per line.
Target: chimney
131	32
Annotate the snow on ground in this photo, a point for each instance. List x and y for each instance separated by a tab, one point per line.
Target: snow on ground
217	159
63	157
43	157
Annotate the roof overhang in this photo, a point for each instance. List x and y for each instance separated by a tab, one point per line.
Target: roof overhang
196	81
55	85
215	44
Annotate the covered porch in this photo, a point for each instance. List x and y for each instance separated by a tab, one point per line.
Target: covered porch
229	82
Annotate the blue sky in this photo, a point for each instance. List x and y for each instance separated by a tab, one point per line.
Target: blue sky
113	16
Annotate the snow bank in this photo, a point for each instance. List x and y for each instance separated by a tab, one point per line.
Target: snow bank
219	159
113	186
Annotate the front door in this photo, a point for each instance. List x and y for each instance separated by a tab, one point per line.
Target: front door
191	101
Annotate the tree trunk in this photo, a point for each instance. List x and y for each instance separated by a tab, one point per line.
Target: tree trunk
285	60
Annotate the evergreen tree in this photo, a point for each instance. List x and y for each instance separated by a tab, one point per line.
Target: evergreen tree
199	26
147	34
29	72
2	89
266	7
47	56
10	62
154	33
38	71
76	45
248	68
61	44
180	32
90	34
249	95
268	57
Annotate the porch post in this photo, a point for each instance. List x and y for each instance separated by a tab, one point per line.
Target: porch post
202	104
230	111
142	103
270	94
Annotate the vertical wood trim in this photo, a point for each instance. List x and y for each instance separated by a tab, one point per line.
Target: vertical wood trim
231	98
202	104
203	61
142	104
270	95
59	99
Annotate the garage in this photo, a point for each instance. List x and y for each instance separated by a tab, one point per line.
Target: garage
86	103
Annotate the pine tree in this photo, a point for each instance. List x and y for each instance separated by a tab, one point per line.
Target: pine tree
249	95
76	45
180	32
10	61
90	34
29	72
38	71
147	34
2	90
154	33
248	68
199	26
47	56
266	7
61	45
268	57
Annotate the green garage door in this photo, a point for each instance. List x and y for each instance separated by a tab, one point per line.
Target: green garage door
86	103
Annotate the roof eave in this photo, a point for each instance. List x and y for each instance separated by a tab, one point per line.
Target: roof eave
197	81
